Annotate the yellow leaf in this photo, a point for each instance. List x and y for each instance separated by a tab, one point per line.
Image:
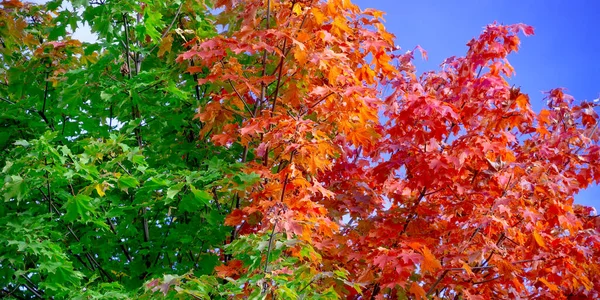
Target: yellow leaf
165	45
100	189
538	239
300	56
551	286
297	9
342	24
429	263
319	16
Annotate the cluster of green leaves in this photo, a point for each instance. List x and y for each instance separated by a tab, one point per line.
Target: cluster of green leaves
106	182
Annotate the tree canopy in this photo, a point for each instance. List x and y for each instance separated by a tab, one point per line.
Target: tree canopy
281	149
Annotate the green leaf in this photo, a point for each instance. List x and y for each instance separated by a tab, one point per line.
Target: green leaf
194	201
126	181
201	195
16	188
23	143
174	190
79	207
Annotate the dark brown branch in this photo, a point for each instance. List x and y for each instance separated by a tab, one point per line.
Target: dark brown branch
487	280
122	246
127	46
432	288
413	208
90	258
272	235
42	112
279	75
263	88
35	292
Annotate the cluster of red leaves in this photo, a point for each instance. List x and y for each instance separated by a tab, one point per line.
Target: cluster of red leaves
462	191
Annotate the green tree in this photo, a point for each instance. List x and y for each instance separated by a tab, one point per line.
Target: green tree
107	182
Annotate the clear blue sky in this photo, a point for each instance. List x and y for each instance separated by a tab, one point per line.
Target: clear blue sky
564	52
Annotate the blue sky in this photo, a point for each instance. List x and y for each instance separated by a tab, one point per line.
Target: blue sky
564	52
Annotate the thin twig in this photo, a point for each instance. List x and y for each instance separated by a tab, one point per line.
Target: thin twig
6	100
432	288
279	75
264	65
33	290
170	26
272	236
127	46
241	98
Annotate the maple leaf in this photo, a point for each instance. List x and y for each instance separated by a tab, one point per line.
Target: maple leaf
429	262
522	101
165	46
417	290
230	269
538	239
550	286
235	218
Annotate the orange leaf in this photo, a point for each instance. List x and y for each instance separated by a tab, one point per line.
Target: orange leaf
319	16
334	72
538	239
429	263
522	101
300	55
544	116
12	3
233	268
417	290
551	286
234	218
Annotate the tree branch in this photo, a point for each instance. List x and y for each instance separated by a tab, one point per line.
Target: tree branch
413	208
272	236
432	288
170	26
6	100
263	89
241	98
34	291
90	258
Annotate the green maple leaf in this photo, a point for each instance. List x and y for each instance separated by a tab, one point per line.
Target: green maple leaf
79	207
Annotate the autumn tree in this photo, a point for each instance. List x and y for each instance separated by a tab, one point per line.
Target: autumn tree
281	149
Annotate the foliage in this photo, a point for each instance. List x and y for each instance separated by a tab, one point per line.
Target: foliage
280	149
